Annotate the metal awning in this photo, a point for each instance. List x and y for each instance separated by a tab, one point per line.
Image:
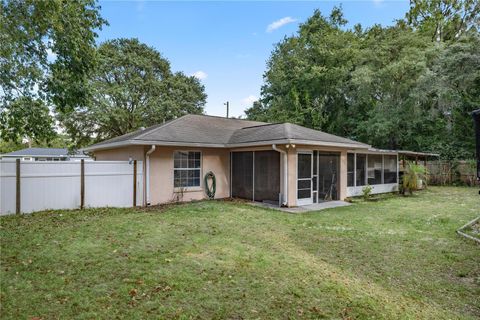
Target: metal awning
415	153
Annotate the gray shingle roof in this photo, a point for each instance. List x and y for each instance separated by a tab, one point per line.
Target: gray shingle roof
222	132
42	152
289	131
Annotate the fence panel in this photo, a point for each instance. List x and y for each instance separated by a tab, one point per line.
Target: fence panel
49	185
110	184
56	185
450	172
7	186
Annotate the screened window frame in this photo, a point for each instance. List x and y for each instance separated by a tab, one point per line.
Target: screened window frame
357	169
373	169
200	169
355	154
386	171
353	170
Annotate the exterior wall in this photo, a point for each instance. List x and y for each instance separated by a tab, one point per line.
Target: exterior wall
376	188
161	175
161	171
292	176
121	154
216	160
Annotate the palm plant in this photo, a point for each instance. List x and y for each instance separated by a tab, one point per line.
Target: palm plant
415	175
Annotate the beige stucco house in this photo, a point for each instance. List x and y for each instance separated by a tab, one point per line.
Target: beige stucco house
273	162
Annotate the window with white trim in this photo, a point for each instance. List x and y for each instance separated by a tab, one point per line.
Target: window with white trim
186	169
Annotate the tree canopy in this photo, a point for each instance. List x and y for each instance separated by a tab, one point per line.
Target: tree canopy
54	76
393	87
132	86
47	51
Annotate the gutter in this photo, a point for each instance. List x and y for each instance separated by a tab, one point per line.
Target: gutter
285	173
111	145
147	183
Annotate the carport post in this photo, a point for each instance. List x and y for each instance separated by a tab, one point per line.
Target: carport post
17	205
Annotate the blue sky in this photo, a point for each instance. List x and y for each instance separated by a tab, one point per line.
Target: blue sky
227	44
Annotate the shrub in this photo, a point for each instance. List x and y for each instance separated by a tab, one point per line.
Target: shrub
367	192
414	177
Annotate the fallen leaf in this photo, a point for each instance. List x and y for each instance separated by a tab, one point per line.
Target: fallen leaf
133	292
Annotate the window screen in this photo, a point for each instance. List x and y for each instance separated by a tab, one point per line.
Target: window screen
390	169
360	174
242	175
374	169
267	176
304	166
350	169
186	169
328	165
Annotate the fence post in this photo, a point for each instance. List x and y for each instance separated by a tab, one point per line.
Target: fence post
17	205
134	183
82	183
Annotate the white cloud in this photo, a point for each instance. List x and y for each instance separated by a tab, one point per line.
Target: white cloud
249	100
280	23
200	75
377	3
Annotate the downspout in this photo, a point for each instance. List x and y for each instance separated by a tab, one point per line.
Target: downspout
285	173
147	183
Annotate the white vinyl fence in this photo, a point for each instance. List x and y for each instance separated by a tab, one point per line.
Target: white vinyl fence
58	185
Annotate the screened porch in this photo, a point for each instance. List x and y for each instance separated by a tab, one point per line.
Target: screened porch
376	168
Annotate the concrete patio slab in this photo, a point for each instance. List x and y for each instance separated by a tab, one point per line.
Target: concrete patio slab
306	208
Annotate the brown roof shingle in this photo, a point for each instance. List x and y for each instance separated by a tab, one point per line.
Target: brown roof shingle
222	132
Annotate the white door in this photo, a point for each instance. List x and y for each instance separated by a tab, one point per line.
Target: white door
304	178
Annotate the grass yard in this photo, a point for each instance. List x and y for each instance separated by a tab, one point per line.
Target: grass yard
398	258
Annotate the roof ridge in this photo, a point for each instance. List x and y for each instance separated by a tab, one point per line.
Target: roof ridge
220	117
261	125
162	125
327	133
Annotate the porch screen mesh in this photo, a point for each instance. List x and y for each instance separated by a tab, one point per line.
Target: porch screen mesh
242	175
361	164
390	169
328	165
375	168
267	175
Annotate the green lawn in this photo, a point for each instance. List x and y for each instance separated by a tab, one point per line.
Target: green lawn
398	258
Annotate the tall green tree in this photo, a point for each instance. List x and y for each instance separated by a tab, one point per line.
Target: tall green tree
132	87
451	89
390	64
393	87
304	73
46	54
444	19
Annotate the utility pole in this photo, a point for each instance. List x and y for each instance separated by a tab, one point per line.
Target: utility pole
226	104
